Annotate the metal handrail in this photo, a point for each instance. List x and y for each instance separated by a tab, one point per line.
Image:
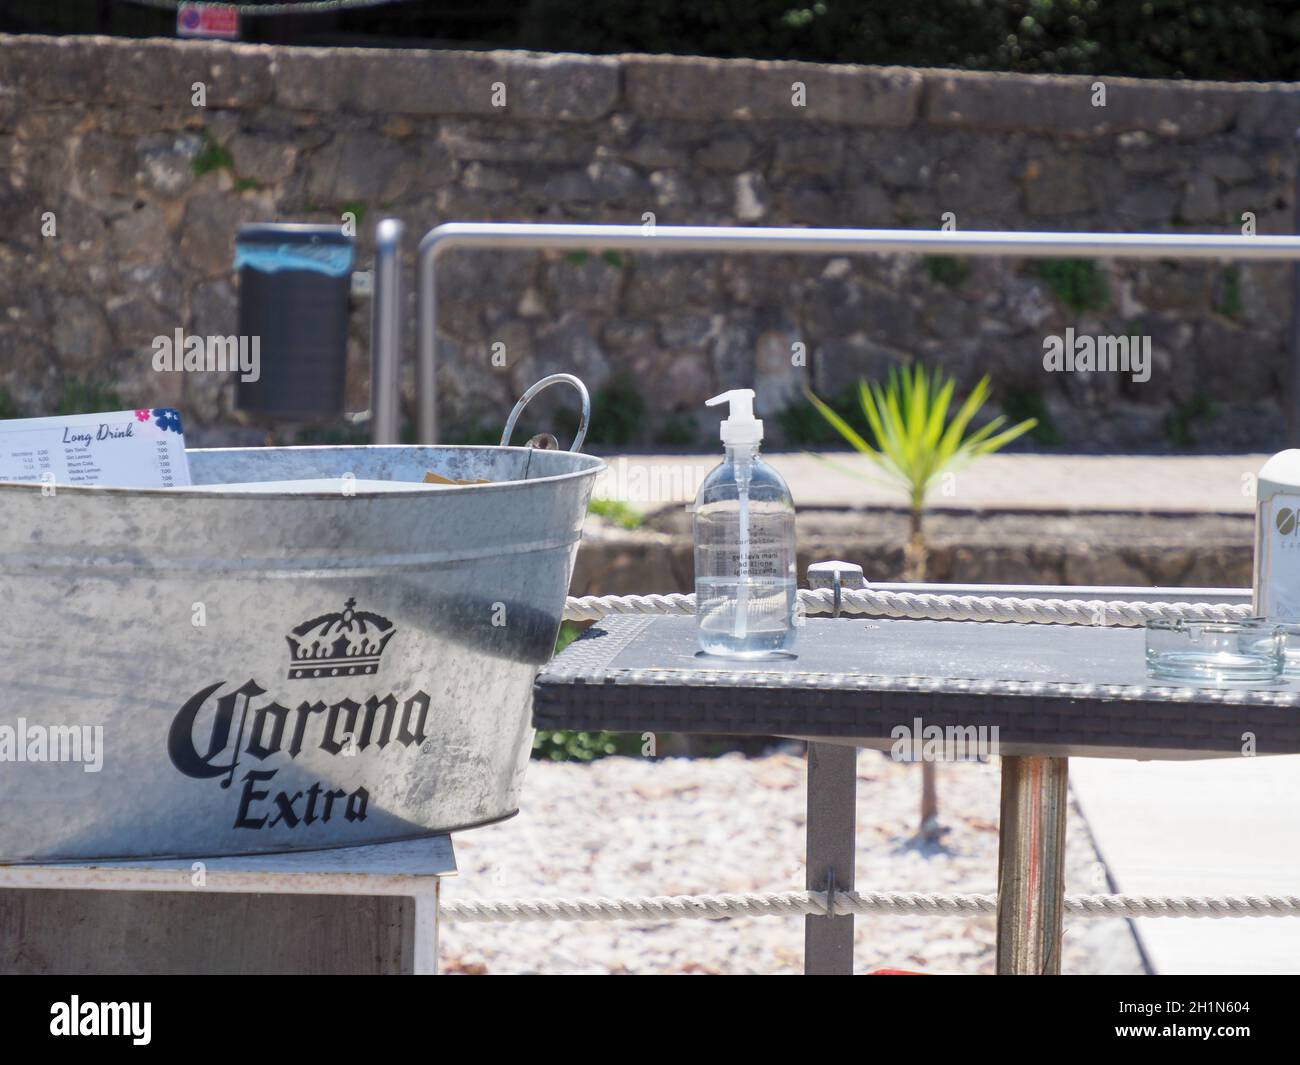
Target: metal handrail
539	235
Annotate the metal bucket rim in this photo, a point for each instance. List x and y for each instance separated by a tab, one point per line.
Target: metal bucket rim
209	492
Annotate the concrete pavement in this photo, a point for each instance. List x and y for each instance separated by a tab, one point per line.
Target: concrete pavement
1228	826
1132	483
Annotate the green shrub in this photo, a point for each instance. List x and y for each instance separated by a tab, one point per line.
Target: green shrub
337	434
1077	284
212	156
621	514
1228	300
1255	40
947	270
1019	404
803	426
609	257
618	413
1252	40
1183	422
8	408
566	746
678	430
83	397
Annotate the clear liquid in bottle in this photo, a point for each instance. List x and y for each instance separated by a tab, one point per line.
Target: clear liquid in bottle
745	586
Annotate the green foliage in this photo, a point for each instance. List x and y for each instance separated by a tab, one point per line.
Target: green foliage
567	746
1022	404
804	426
1077	284
477	433
356	208
1251	40
800	17
915	439
1255	40
678	430
482	433
609	257
83	397
569	631
8	408
486	434
246	184
947	270
338	434
1181	424
212	156
1228	301
617	414
621	514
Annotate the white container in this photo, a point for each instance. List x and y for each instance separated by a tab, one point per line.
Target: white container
1277	538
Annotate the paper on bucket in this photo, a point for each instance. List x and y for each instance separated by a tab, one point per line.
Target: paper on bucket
142	448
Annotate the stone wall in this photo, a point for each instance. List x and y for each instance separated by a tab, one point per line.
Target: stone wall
147	190
1139	550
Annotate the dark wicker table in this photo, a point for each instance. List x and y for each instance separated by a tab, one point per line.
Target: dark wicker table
1050	691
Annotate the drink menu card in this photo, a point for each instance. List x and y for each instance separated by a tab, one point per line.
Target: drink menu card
123	449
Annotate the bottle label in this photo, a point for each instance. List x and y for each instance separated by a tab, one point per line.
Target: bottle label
1277	579
763	562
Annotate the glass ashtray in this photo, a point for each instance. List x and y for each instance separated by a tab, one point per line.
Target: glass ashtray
1290	646
1250	649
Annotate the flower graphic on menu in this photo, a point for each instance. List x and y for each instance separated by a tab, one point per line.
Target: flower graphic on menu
167	419
143	415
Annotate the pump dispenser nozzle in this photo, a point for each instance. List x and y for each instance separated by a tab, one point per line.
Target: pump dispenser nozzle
740	427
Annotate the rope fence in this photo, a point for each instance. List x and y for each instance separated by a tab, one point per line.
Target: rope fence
889	604
932	607
857	903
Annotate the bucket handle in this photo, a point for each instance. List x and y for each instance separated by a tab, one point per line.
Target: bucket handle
546	382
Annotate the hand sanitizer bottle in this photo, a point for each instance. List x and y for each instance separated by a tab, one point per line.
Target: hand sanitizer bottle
745	590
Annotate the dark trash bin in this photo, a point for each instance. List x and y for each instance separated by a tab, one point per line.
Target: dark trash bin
294	283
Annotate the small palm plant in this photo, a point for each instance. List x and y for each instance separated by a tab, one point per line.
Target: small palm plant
916	443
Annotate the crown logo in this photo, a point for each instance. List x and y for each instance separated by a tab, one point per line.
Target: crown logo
339	645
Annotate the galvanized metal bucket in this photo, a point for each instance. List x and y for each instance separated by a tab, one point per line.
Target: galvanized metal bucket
278	671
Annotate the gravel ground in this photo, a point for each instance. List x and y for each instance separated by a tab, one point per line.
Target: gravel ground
629	826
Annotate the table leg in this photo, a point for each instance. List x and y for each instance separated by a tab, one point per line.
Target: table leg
424	933
1031	865
832	803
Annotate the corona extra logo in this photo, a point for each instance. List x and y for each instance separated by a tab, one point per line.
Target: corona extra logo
222	727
